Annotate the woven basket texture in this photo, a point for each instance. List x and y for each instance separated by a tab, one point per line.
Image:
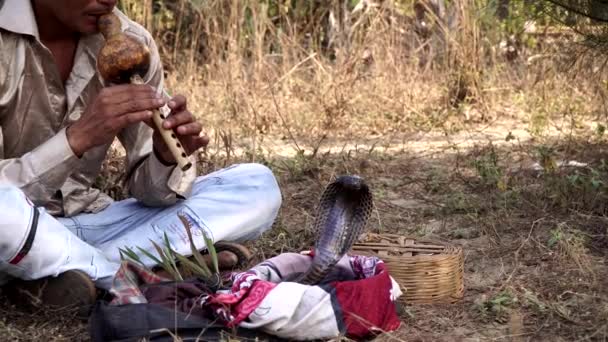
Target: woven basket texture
428	271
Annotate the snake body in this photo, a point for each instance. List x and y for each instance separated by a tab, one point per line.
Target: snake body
343	211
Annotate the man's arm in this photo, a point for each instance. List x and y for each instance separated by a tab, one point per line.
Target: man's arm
42	171
150	179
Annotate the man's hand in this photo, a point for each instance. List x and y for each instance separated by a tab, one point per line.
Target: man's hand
186	128
113	109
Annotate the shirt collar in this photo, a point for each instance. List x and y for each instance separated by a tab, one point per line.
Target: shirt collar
18	16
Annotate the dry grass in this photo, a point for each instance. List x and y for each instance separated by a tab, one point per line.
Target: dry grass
447	140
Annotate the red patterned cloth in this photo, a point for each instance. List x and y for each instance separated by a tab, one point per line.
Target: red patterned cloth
248	291
356	305
127	282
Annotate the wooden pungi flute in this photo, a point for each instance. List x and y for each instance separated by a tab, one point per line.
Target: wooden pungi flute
123	59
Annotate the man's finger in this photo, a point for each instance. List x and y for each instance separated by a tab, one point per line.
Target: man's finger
138	93
125	98
203	140
193	128
197	142
132	118
113	98
177	119
129	89
177	103
150	123
137	105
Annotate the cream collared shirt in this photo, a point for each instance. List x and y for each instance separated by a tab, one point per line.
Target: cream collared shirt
36	107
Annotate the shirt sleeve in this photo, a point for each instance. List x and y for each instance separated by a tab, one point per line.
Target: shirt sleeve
42	171
150	181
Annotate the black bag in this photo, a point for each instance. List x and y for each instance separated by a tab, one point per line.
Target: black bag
132	322
158	322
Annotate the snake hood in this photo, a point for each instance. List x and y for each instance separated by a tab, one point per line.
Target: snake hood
344	208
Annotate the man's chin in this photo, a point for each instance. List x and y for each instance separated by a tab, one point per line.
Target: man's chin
88	29
90	32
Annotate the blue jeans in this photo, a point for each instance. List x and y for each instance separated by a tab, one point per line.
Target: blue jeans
236	204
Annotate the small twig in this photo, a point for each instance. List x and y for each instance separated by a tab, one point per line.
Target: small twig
516	254
291	136
291	71
603	327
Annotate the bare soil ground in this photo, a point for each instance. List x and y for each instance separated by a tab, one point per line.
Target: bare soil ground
495	152
535	234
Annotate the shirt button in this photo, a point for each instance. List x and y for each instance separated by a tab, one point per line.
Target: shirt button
75	115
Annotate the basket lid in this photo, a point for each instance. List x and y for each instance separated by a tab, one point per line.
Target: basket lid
401	245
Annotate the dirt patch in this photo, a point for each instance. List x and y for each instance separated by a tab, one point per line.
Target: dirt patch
18	324
535	248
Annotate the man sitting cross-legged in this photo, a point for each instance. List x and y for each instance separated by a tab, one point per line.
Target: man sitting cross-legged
58	118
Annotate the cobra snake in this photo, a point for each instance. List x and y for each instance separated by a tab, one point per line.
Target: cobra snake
343	211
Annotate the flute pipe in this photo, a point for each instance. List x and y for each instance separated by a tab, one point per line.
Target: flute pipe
168	135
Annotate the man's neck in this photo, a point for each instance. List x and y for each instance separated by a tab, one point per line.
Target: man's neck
50	28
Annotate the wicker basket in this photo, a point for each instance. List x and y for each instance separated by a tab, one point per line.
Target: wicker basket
429	272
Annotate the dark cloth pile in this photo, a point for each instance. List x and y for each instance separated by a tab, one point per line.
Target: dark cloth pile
357	299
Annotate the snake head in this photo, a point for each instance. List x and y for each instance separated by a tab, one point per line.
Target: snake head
351	182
